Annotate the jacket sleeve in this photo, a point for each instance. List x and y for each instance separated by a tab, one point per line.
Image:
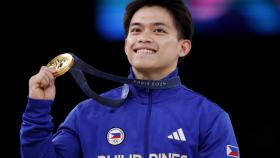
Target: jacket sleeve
36	139
217	138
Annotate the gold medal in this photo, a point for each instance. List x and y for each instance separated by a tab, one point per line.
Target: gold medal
61	63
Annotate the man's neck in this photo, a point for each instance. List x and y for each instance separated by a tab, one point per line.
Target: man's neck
151	75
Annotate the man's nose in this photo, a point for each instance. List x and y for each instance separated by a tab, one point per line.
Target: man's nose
145	37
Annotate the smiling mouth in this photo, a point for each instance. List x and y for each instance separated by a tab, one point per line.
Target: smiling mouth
144	51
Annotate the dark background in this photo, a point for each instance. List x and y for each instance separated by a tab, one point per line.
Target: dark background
237	71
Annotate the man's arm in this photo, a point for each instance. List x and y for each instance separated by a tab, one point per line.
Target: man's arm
36	131
218	140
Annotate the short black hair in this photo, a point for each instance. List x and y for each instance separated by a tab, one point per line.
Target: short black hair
181	15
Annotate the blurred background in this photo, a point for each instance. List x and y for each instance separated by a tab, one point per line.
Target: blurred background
233	60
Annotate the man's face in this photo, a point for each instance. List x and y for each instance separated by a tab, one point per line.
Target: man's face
152	44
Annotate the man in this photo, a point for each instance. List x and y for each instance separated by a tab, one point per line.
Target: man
163	123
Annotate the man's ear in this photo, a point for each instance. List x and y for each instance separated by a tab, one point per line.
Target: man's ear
186	46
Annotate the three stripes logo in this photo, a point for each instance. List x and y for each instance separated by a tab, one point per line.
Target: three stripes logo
178	135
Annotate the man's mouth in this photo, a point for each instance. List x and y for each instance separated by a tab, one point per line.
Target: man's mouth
145	51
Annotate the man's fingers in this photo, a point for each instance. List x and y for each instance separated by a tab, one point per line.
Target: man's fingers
45	81
49	71
44	78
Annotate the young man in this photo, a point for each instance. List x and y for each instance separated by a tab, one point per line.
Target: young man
163	123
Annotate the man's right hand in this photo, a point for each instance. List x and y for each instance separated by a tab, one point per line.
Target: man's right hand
41	85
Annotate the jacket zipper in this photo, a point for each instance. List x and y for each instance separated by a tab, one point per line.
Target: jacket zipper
147	124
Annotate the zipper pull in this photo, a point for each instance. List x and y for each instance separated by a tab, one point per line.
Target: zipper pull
148	90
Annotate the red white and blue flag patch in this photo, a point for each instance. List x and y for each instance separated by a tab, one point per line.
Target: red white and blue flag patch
115	136
232	151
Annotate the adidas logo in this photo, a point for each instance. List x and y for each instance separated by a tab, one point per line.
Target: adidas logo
178	135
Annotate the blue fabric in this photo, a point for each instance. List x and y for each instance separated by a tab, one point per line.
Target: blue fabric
175	122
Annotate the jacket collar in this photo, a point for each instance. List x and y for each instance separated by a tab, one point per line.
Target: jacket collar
141	94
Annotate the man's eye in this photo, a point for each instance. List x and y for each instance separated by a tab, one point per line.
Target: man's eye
160	31
135	30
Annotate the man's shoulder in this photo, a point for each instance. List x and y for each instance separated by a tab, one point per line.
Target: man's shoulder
113	93
90	104
199	100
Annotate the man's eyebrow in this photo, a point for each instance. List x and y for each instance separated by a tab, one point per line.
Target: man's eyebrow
160	24
135	24
155	24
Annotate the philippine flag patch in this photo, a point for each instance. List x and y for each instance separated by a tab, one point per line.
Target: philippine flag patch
115	136
232	151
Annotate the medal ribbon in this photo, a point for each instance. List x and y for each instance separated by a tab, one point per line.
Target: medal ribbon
79	67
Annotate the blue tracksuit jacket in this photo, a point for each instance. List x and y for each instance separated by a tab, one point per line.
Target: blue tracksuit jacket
168	123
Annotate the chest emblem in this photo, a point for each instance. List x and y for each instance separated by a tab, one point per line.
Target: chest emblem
115	136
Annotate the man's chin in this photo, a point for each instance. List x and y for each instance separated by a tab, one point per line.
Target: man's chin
144	65
142	68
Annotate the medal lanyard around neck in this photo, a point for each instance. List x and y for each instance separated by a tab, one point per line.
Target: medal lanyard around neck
79	67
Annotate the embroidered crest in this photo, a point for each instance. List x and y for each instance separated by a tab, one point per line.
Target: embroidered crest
115	136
